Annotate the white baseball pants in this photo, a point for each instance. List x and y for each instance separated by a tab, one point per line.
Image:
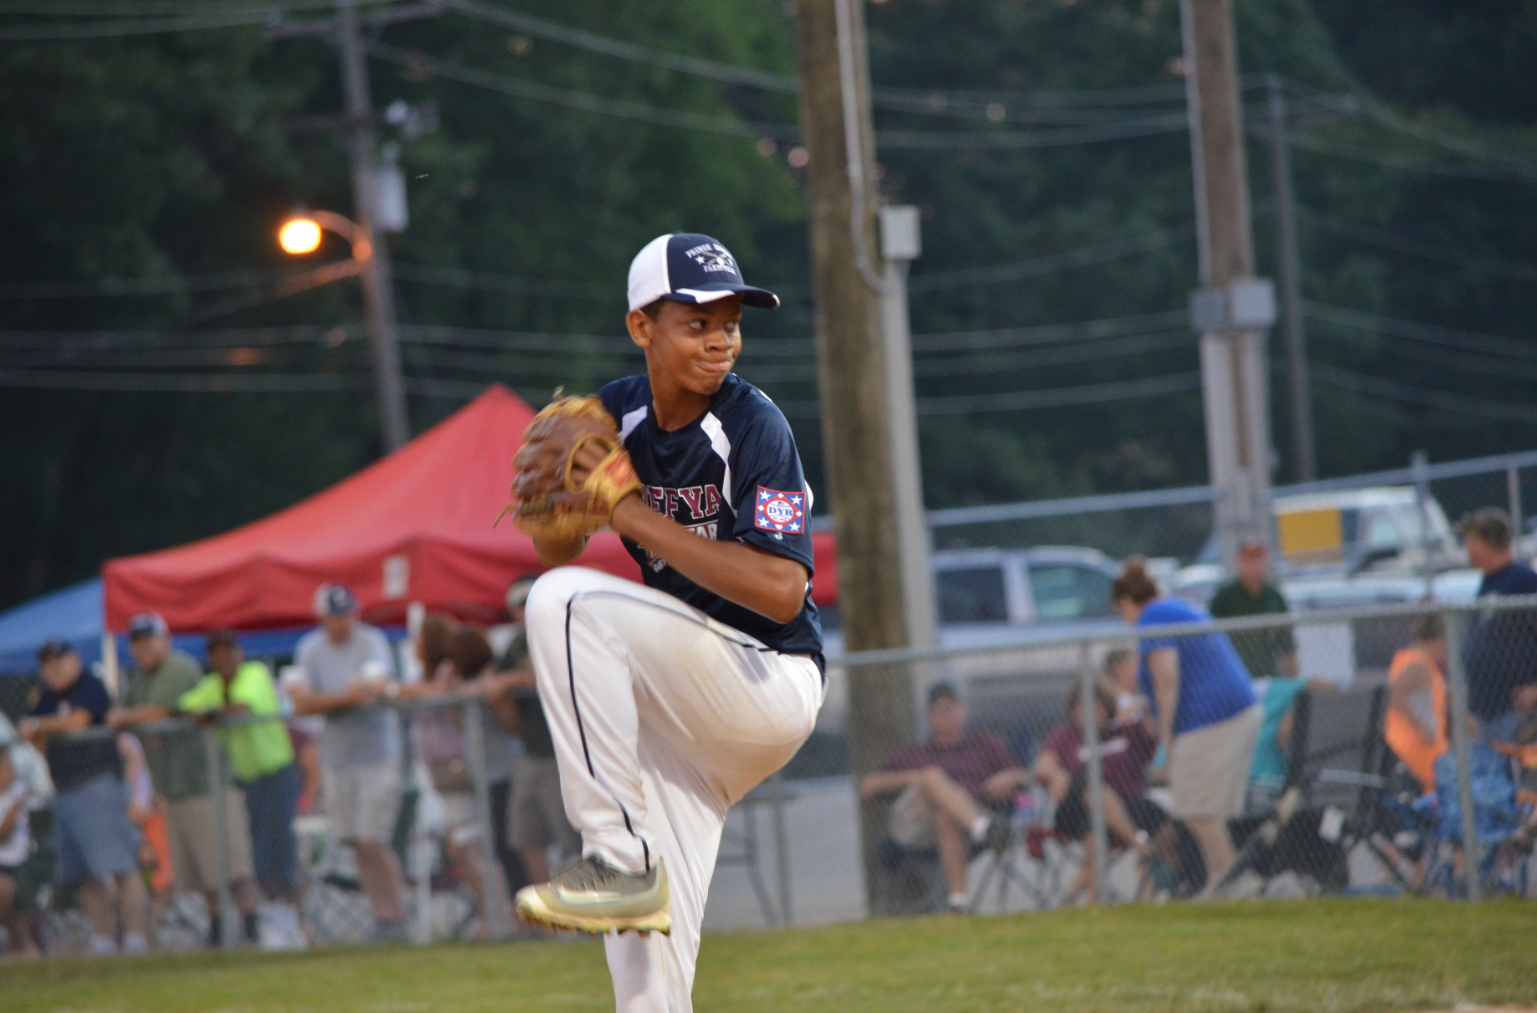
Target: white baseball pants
662	719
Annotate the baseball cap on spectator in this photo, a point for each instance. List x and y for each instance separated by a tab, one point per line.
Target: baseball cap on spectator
334	600
147	624
517	594
1252	547
52	648
943	690
1490	524
690	268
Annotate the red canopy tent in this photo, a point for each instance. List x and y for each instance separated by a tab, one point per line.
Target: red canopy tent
416	526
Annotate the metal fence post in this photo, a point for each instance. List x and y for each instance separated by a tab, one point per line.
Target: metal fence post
225	912
1088	705
781	847
480	788
1513	492
1459	718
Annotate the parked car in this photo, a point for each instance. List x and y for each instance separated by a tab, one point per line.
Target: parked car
1003	596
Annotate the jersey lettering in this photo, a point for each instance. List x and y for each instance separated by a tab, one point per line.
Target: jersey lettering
703	501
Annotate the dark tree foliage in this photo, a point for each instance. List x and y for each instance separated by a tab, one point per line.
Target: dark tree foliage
168	158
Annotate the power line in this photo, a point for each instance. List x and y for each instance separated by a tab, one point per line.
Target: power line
527	23
1051	263
84	341
622	108
460	278
1390	241
152	8
1462	146
1424	398
919	140
970	104
733	127
1040	334
164	285
1056	397
119	29
1412	331
266	383
1402	161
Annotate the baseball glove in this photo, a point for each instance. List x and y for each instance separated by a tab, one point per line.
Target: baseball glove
546	501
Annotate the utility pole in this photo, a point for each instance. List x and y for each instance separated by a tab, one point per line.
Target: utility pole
856	424
1288	267
1233	308
377	277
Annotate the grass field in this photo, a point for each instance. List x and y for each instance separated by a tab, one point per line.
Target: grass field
1315	956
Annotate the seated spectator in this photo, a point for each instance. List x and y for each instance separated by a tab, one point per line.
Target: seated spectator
1416	724
263	757
94	844
1125	749
1121	668
947	789
178	766
1207	715
15	849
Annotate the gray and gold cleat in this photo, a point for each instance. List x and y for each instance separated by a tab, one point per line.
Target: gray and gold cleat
589	895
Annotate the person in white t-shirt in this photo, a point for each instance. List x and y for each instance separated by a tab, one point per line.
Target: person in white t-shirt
346	669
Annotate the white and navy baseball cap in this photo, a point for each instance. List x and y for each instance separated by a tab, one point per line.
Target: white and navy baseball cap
692	268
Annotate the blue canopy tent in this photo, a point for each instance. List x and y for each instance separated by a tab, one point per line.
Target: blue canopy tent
75	614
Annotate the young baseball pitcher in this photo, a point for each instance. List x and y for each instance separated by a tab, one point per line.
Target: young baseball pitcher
667	702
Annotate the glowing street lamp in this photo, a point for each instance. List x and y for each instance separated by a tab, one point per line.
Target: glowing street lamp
301	234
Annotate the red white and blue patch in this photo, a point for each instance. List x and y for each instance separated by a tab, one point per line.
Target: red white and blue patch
781	512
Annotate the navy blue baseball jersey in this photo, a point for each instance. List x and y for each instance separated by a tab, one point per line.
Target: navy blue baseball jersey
733	475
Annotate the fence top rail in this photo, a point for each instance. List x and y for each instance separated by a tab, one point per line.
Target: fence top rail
188	721
1321	617
1194	494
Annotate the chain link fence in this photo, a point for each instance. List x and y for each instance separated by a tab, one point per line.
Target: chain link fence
975	784
953	780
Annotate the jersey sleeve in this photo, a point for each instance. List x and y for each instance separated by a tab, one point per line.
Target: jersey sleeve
769	492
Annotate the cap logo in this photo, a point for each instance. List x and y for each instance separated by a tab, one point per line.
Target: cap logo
713	257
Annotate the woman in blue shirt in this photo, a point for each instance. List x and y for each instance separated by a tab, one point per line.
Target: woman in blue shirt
1208	716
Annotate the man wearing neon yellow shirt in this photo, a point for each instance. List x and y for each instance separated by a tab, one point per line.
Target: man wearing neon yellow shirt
256	738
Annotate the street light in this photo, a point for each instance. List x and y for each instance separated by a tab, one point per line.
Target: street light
301	234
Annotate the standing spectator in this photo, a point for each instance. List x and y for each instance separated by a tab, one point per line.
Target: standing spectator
345	668
94	844
536	817
1208	716
1269	653
263	758
1501	649
178	766
1416	723
948	789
